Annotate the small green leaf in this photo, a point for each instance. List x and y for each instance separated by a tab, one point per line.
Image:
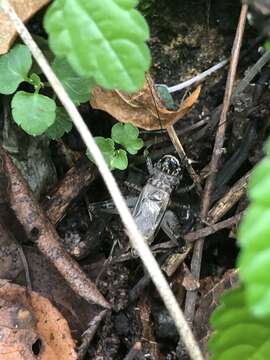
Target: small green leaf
104	40
127	136
107	148
61	125
14	68
238	334
35	113
120	160
166	97
34	80
78	88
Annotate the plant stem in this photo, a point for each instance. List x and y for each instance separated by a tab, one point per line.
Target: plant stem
197	78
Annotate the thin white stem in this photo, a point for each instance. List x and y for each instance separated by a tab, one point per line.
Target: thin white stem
198	78
135	236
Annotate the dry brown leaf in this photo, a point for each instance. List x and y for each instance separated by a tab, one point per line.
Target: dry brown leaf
143	109
27	319
77	311
25	9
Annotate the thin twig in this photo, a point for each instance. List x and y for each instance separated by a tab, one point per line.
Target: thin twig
181	152
198	78
88	335
25	266
76	178
214	165
229	199
212	229
250	75
135	236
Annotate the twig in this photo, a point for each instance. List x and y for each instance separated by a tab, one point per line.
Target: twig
210	230
229	199
250	75
25	266
8	217
198	78
181	152
135	237
214	165
78	177
90	333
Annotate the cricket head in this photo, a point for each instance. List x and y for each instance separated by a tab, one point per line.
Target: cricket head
169	165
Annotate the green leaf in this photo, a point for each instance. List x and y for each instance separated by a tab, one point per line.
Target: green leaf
127	136
78	88
61	125
35	113
104	40
107	148
120	160
34	80
260	183
254	236
14	68
254	259
166	97
238	334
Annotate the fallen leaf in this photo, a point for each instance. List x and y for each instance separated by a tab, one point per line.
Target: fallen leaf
76	311
25	9
144	109
31	327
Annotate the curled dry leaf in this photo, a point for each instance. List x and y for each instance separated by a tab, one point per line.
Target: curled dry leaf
25	9
144	109
31	327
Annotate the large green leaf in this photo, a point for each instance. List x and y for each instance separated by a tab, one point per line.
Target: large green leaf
35	113
77	87
104	40
14	68
238	334
254	236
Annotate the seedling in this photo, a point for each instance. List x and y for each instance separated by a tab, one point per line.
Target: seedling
36	113
125	135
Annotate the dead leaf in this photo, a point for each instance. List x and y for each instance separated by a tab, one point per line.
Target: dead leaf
46	280
31	327
143	109
25	9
